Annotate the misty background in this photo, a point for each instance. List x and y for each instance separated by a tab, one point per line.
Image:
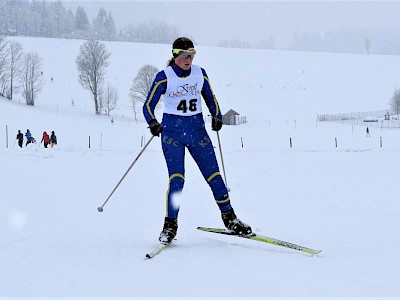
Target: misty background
369	27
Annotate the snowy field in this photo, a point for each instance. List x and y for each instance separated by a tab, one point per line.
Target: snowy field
341	199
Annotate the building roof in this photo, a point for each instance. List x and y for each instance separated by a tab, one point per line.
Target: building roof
231	112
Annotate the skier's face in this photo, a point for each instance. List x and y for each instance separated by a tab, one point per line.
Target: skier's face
184	62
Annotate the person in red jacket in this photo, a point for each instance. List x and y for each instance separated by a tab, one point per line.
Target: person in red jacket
45	139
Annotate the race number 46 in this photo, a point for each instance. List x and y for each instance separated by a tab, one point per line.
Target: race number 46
183	105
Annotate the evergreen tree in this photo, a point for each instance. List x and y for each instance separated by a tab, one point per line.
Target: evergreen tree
99	25
70	23
81	20
110	27
104	26
59	18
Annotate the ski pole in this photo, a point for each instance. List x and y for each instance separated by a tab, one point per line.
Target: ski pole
100	208
222	161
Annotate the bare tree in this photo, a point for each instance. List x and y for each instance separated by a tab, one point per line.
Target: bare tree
109	99
141	86
136	108
31	78
15	65
92	62
3	66
395	102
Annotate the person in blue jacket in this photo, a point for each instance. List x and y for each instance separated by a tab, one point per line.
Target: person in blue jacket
182	86
53	139
29	138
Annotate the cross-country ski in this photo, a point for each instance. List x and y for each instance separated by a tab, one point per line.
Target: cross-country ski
261	238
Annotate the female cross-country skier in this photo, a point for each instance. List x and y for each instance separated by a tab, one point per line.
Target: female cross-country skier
182	85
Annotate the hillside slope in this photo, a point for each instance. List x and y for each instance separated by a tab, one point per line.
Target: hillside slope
55	244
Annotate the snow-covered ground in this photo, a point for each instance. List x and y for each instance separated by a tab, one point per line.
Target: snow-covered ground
343	200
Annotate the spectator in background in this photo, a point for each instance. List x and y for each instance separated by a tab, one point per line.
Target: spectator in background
29	138
20	138
53	139
45	139
368	134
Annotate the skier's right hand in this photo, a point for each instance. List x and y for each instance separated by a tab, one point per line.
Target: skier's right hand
155	127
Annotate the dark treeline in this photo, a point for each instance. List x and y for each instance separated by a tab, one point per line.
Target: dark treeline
52	19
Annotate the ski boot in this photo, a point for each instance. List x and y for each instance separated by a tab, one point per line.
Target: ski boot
234	224
169	230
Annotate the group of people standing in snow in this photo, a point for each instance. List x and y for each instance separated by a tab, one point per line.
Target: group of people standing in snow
46	139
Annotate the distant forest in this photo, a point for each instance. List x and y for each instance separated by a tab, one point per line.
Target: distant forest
52	19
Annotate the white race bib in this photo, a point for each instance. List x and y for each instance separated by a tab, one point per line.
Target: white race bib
183	95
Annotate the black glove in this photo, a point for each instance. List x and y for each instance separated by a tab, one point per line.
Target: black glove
155	127
216	124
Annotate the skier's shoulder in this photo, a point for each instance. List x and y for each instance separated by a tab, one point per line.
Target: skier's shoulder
160	76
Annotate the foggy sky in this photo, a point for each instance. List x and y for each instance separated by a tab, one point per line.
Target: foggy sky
209	22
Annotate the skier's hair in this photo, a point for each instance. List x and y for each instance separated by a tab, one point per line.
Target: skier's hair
171	62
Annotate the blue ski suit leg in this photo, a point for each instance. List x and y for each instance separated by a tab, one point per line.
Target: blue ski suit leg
201	149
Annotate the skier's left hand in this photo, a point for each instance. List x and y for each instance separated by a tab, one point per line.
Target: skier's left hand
216	124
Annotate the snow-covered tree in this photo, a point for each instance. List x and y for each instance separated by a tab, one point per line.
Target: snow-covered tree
394	102
81	22
4	61
70	22
31	77
60	19
109	99
104	26
15	65
154	32
92	63
14	16
111	30
141	86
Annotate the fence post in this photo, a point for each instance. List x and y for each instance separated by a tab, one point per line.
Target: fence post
336	142
381	142
7	136
142	141
290	140
89	141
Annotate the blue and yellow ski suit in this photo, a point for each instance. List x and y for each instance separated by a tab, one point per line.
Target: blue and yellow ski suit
183	127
